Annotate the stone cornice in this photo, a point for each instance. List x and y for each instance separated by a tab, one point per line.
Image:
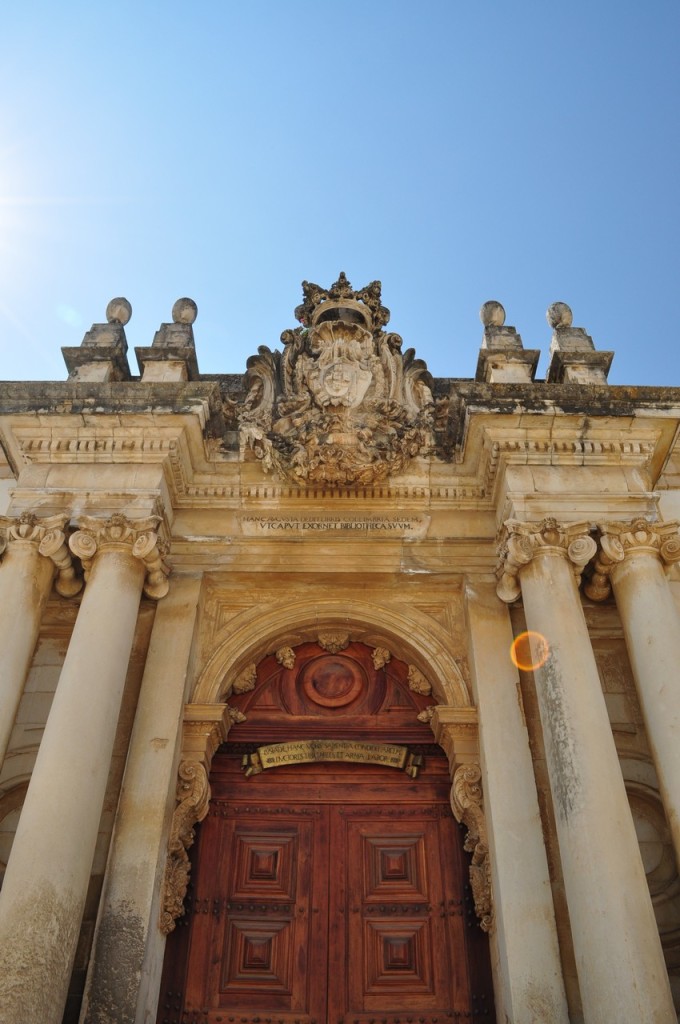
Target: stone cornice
521	542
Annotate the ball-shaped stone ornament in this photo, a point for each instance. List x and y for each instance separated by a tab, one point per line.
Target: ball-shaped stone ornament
492	314
118	311
559	315
184	311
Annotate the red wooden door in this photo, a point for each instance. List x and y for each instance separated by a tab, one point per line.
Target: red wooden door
330	894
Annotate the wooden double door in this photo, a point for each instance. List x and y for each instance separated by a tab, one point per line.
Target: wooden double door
329	894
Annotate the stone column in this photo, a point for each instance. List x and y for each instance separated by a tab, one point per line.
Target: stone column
45	885
129	911
620	964
632	555
526	963
34	550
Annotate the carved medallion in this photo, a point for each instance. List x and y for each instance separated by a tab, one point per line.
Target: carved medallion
340	405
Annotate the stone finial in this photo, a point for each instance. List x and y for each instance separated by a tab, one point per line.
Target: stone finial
502	357
559	315
118	311
172	356
573	358
492	314
102	356
184	311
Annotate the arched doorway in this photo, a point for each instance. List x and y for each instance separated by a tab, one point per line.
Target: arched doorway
329	892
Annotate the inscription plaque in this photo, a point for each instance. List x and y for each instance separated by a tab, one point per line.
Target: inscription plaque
276	755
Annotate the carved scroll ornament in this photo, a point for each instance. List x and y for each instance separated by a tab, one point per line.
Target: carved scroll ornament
48	534
617	540
139	535
341	404
193	798
521	542
466	803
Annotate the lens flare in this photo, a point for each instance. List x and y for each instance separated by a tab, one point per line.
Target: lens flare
529	651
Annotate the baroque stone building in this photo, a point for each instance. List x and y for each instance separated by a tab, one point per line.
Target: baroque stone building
336	692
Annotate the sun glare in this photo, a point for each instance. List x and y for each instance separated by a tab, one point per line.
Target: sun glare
529	651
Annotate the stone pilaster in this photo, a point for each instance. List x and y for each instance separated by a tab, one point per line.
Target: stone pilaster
620	964
525	953
45	885
632	557
34	551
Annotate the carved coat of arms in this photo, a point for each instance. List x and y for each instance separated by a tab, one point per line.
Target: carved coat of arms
340	405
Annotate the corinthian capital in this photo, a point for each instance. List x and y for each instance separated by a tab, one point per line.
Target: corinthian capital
620	540
521	542
48	536
139	536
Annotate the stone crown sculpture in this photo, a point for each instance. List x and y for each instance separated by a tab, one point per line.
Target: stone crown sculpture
340	405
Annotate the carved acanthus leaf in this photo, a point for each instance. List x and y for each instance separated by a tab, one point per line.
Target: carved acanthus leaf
193	799
48	534
520	542
466	803
140	535
246	681
380	657
286	657
417	681
340	405
333	642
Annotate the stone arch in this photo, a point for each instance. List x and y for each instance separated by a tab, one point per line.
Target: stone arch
408	633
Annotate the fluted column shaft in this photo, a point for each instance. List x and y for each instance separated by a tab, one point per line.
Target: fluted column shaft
620	964
33	549
651	626
45	885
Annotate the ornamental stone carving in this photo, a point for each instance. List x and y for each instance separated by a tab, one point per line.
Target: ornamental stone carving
520	542
49	537
246	681
286	657
618	540
380	657
466	803
340	405
417	681
333	642
193	799
138	535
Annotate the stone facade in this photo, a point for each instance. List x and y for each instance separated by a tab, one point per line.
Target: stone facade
514	542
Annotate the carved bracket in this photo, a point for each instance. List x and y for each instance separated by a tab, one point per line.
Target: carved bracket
205	727
193	796
466	803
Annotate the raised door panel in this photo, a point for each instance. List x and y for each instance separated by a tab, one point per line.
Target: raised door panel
389	900
265	928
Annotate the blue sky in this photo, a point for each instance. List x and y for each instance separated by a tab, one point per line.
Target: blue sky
525	151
